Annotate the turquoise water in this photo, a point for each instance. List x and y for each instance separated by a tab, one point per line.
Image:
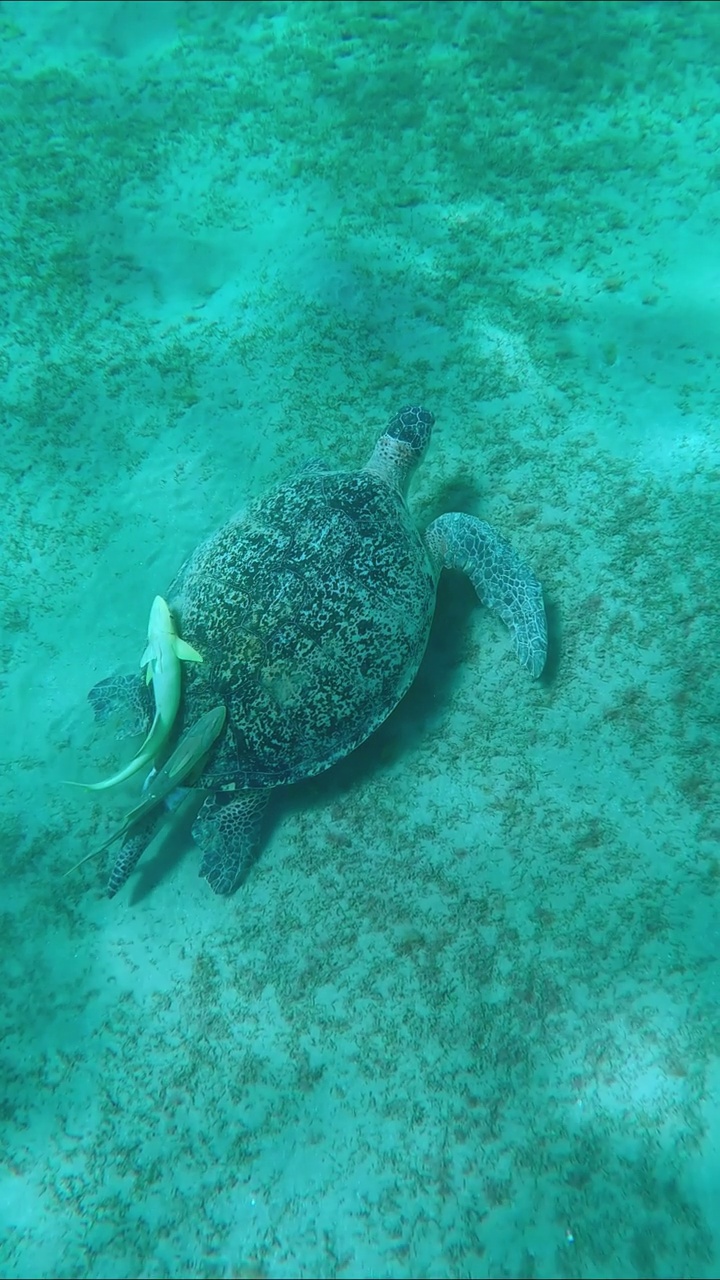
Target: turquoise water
462	1019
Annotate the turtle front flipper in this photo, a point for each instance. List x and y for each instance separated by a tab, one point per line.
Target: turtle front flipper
227	829
502	580
131	851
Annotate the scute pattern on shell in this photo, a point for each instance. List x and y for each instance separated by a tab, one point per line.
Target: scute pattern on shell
312	611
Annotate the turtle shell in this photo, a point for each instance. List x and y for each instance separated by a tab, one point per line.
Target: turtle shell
312	611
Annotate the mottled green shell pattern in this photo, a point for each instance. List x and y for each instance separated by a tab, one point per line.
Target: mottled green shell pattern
312	611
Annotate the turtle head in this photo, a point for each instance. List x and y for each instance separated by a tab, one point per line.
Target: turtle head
401	447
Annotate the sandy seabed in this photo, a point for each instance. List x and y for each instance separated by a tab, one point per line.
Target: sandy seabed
462	1019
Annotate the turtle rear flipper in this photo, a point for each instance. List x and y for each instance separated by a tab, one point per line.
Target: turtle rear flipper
126	697
227	829
131	851
139	824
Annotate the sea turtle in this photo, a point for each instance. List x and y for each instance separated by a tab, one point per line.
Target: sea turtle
312	611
